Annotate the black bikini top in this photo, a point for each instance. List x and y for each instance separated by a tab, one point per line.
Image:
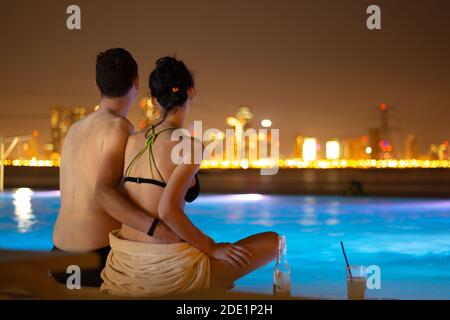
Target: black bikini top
191	194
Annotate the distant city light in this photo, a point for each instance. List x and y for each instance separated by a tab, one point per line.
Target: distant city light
309	149
232	121
332	150
244	164
266	123
219	136
294	163
261	136
354	151
31	163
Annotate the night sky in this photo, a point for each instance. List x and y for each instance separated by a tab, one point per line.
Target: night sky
312	67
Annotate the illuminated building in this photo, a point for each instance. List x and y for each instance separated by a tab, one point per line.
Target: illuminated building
309	149
60	121
439	152
333	150
386	149
299	139
30	148
77	114
354	148
238	122
411	147
385	143
151	112
370	151
445	150
374	143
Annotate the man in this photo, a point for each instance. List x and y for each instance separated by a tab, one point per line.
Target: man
92	204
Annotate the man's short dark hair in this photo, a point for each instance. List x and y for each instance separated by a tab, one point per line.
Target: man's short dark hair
115	72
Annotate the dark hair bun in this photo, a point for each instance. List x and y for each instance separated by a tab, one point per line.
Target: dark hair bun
169	82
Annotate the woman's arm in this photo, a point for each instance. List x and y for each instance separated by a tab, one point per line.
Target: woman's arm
170	211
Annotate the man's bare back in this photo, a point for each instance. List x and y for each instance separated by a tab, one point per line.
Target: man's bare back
82	225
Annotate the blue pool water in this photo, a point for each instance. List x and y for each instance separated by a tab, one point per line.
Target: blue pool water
409	239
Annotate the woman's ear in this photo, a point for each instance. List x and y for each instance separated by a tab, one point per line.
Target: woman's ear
191	93
155	102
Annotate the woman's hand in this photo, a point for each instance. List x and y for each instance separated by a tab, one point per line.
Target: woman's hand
236	255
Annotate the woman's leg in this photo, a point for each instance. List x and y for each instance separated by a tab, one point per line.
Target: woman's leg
264	249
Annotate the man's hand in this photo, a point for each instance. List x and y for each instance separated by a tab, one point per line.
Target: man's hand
164	234
107	193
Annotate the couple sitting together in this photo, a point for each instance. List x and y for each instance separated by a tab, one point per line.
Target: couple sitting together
123	198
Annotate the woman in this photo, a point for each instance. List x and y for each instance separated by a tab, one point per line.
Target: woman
140	265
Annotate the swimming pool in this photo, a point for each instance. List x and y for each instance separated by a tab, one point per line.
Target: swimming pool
409	239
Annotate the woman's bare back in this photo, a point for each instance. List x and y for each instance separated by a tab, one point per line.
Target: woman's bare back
146	195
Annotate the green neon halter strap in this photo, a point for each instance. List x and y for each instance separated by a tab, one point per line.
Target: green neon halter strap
150	135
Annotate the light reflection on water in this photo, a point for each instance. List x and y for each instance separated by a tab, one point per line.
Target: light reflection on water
408	238
22	209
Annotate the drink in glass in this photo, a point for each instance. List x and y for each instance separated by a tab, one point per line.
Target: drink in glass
356	282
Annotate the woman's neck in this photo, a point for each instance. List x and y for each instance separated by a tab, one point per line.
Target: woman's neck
173	120
170	124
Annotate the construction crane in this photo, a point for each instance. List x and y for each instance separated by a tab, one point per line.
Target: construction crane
13	141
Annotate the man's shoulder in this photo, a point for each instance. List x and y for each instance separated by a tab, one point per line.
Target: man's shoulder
114	126
110	122
119	123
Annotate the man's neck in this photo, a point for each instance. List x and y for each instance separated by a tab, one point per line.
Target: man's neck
119	106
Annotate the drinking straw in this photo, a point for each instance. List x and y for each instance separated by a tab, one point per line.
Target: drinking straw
346	261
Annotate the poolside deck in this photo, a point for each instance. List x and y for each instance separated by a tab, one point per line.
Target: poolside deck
24	275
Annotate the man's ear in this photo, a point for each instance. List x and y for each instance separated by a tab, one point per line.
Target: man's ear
98	88
191	93
136	83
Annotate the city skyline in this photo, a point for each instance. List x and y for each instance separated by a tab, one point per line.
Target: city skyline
311	67
375	144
